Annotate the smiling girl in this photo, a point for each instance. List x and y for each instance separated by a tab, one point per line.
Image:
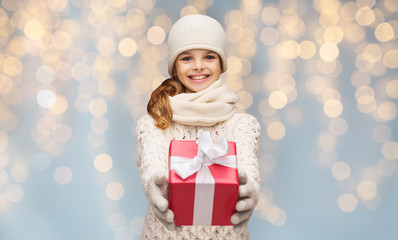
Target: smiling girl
195	98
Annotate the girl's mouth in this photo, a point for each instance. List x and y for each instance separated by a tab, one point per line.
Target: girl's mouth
198	77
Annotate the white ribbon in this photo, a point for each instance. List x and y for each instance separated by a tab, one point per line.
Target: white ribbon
209	153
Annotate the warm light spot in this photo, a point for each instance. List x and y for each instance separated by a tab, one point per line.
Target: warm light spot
61	40
6	84
338	126
103	162
327	141
45	74
80	71
14	193
354	33
276	131
234	65
277	216
270	15
390	59
364	95
365	16
63	175
57	6
333	108
62	133
46	98
367	108
391	5
11	5
290	49
156	35
117	3
330	94
277	99
307	49
386	168
12	66
114	191
34	29
8	121
372	53
98	107
188	10
246	99
99	6
392	88
367	190
235	18
341	170
106	47
107	87
328	18
117	221
387	111
333	34
60	106
384	32
347	202
99	124
329	51
19	173
127	47
390	150
269	36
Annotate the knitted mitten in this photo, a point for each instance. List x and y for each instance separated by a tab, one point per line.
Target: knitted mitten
246	203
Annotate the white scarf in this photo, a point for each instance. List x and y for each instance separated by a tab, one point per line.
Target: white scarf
205	108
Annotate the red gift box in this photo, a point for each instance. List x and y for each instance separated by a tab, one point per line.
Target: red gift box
195	200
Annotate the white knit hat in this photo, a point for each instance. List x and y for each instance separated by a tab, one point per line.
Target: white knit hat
196	32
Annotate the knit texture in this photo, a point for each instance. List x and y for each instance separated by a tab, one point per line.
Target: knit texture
208	107
152	150
196	32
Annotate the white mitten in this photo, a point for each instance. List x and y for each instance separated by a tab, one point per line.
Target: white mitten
246	203
158	184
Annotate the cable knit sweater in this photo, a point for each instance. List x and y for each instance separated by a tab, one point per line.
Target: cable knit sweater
153	146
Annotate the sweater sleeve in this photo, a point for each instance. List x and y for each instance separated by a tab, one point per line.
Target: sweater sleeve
152	150
247	136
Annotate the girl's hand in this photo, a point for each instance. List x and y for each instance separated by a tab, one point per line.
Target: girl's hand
246	203
157	197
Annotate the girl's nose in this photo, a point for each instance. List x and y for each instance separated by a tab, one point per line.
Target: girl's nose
199	65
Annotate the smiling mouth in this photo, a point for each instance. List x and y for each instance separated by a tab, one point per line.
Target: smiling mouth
201	77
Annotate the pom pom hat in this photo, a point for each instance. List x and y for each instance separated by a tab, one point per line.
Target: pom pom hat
196	32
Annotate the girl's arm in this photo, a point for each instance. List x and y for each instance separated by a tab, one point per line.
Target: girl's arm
152	150
247	136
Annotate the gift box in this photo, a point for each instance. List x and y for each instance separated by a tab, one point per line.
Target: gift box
203	181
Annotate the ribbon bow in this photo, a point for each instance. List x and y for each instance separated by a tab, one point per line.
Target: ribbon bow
209	153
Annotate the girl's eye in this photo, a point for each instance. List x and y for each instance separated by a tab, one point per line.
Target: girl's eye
210	57
186	58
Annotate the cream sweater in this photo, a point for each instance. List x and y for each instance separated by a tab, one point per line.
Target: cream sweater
152	150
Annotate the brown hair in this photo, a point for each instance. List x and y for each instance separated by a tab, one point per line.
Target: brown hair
159	105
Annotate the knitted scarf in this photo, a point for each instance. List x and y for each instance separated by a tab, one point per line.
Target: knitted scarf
205	108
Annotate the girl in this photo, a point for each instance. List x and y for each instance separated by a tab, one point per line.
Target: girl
193	99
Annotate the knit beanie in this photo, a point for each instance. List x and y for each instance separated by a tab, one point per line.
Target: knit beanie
196	32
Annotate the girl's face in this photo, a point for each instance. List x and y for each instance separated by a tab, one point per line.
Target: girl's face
197	69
